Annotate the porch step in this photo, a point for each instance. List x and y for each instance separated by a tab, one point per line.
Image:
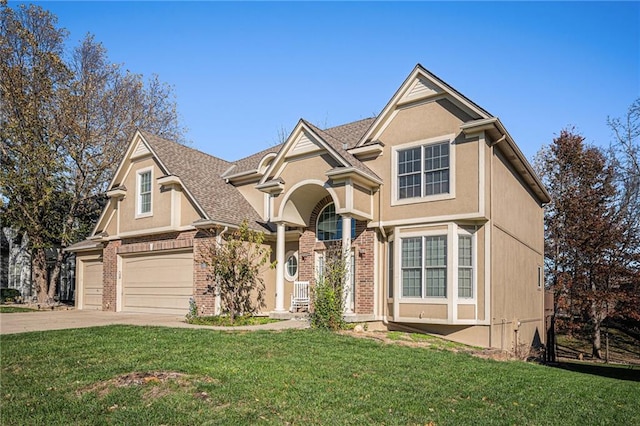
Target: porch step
289	315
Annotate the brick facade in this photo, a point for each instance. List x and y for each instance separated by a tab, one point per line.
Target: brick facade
363	247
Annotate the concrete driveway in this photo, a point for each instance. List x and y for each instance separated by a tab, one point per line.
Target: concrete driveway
58	320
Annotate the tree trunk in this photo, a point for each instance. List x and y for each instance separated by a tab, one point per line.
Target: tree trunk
597	341
55	274
39	271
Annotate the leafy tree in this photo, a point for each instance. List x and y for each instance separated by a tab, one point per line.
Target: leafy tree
236	263
329	292
64	124
583	233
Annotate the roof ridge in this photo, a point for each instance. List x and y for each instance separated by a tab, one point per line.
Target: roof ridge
348	124
183	146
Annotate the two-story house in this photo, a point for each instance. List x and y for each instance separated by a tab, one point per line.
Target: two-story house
440	210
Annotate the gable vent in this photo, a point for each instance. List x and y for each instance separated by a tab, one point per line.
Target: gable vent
303	145
141	150
420	89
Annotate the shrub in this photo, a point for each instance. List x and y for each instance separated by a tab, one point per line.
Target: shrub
9	295
329	292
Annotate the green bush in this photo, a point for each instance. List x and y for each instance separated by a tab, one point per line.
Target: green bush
9	295
329	291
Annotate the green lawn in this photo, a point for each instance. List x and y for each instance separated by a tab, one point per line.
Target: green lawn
153	376
8	309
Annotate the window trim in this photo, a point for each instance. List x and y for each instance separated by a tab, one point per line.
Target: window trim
139	174
452	235
287	275
395	199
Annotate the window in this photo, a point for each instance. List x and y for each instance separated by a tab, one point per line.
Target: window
291	266
436	266
412	267
329	226
424	171
465	266
425	267
144	192
540	278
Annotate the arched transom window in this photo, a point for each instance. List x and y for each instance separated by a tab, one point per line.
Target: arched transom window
329	226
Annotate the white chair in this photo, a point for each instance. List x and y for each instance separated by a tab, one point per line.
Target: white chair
300	297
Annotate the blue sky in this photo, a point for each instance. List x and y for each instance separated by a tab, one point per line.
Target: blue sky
243	72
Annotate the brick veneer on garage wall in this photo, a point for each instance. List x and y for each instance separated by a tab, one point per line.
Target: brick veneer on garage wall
363	246
158	244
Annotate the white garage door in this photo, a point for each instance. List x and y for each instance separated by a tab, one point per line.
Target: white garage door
158	283
92	284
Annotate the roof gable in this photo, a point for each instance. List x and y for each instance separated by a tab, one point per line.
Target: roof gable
421	85
304	139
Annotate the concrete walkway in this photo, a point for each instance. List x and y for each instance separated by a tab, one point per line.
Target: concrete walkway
22	322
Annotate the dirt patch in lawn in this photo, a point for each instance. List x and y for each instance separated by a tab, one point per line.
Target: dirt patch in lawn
157	384
416	340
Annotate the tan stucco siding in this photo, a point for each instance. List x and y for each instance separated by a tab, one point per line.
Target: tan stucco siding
361	200
422	121
254	196
423	310
268	274
515	295
160	200
469	335
515	210
188	212
111	217
428	123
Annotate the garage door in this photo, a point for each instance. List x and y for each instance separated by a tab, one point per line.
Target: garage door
92	284
159	283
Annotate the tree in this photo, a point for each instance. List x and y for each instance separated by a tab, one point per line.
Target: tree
235	263
329	292
625	156
583	233
64	124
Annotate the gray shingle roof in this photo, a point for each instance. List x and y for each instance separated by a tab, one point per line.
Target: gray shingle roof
251	162
351	133
201	175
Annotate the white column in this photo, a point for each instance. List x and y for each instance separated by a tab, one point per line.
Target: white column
346	250
280	267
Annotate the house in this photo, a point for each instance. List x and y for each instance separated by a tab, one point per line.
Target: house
440	210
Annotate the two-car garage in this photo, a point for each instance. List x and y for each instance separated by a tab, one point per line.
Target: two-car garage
157	283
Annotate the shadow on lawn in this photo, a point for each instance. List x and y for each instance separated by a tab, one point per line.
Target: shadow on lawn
620	372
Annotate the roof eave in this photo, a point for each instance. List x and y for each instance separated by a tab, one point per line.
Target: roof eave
496	129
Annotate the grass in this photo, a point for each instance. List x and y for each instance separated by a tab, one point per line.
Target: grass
12	309
225	321
152	376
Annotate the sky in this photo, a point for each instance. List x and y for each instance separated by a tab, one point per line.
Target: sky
245	72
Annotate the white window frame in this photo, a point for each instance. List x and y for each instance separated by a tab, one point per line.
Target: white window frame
139	174
287	275
395	198
452	264
474	265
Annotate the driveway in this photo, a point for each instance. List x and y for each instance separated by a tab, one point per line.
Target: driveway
58	320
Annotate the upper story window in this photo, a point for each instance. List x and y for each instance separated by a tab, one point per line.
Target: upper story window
424	170
329	226
144	193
